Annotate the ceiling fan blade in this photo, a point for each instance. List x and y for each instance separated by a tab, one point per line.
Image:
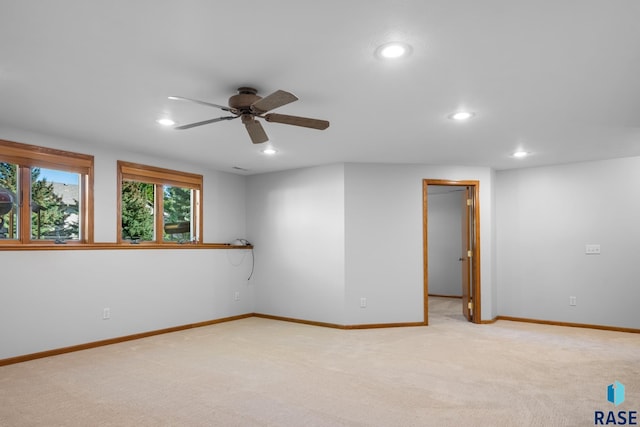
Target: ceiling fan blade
256	132
297	121
182	98
275	100
206	122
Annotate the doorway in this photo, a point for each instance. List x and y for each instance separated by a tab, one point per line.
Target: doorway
463	253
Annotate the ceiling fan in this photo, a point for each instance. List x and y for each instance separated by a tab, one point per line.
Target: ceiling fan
249	106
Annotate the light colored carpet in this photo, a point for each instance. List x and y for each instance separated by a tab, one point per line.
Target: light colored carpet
259	372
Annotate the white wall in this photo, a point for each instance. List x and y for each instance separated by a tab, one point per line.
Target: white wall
445	242
296	222
546	216
384	247
328	236
53	299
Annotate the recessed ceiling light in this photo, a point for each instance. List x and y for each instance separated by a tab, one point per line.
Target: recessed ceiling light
269	151
462	115
166	122
393	50
520	154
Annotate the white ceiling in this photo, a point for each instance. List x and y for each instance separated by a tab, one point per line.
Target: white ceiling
560	79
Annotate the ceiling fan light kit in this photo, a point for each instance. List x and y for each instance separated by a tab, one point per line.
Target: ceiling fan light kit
249	106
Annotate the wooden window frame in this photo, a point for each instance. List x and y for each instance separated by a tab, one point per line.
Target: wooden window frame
160	177
28	156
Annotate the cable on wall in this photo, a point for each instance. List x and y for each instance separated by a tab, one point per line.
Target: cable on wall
253	264
243	242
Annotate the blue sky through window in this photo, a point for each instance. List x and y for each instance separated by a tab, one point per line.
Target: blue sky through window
59	176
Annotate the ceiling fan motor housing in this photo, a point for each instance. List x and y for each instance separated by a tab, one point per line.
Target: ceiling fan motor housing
244	99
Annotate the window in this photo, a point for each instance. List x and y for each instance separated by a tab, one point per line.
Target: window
45	195
158	205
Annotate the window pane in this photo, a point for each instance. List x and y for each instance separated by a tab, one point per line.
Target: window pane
177	215
8	201
137	210
55	204
176	206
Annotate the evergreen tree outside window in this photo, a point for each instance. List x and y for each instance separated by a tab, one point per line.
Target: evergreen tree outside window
55	205
137	211
8	201
177	215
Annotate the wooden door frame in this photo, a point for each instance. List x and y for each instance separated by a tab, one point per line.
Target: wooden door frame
475	288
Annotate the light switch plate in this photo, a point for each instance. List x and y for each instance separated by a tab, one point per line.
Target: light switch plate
592	249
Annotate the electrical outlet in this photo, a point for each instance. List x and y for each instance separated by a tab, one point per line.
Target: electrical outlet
572	301
236	296
106	313
363	302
